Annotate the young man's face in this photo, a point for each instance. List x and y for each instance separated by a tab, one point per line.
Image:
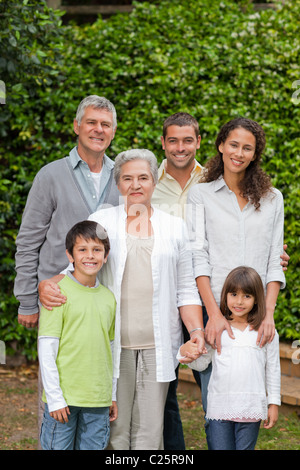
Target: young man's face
95	131
180	145
88	258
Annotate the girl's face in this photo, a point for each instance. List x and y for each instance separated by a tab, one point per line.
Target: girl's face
240	304
238	151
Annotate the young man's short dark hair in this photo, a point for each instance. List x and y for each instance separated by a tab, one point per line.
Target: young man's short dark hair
181	120
88	230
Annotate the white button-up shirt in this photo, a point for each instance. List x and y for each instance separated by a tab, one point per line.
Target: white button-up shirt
173	281
223	236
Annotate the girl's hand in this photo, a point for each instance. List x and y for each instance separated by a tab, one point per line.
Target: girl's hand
272	417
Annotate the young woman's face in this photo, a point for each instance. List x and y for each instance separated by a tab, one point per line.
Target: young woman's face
240	304
238	151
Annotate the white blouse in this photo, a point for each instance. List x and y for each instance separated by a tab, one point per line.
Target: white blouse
245	378
173	280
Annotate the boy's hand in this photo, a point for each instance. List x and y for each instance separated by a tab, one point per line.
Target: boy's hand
113	411
284	258
272	417
61	415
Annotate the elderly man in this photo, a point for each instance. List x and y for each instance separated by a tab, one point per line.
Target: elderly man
63	193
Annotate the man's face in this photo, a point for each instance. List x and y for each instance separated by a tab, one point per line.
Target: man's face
180	146
95	131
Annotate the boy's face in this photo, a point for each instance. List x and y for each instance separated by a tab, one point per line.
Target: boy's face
88	257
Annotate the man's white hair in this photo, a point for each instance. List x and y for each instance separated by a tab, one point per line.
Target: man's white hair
98	102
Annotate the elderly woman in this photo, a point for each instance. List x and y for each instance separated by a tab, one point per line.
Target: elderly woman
149	270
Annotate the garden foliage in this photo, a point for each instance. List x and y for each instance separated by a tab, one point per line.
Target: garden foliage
215	60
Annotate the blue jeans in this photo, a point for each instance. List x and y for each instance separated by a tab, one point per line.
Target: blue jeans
173	432
231	435
87	429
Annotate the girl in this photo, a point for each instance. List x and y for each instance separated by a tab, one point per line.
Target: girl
244	386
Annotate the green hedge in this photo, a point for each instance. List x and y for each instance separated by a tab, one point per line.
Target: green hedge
213	59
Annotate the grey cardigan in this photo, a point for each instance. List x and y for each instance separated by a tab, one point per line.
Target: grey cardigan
54	204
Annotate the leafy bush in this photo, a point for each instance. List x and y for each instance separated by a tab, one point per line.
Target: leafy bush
215	60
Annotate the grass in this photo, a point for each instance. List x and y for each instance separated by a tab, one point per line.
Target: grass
18	417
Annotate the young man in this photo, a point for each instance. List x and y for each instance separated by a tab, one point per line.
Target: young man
180	170
75	353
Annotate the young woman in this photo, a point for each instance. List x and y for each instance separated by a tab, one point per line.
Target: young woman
244	387
243	224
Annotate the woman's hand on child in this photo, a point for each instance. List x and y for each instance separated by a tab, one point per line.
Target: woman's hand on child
266	332
61	415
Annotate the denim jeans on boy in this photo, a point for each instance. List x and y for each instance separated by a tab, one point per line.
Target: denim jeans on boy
87	429
231	435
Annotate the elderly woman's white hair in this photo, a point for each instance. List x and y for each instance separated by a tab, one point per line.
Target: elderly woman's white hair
98	102
136	154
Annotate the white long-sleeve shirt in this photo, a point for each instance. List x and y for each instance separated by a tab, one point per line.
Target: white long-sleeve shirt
47	350
173	281
245	378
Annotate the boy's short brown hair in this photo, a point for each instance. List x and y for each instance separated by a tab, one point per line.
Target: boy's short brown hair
88	230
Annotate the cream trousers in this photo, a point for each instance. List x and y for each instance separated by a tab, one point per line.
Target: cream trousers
141	402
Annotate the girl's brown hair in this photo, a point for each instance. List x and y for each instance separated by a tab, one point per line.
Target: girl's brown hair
256	183
249	281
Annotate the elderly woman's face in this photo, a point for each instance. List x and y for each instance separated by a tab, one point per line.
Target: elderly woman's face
136	183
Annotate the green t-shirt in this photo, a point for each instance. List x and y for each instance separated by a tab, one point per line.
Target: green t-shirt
85	325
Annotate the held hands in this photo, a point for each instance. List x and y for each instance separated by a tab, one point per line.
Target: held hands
192	349
213	331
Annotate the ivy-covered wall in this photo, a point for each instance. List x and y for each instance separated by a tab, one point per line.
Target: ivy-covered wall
213	59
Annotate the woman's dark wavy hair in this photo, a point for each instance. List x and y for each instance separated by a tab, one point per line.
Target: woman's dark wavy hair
256	183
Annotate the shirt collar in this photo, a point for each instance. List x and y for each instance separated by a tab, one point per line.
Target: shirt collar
75	159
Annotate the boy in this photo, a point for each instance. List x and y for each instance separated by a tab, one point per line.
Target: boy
75	349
